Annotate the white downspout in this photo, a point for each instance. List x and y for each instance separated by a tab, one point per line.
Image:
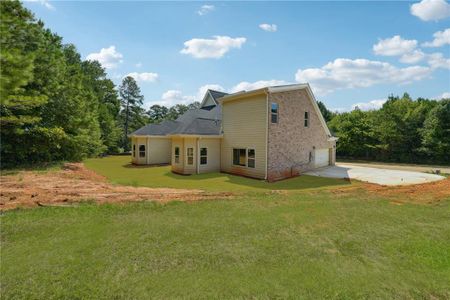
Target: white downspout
198	155
148	151
267	134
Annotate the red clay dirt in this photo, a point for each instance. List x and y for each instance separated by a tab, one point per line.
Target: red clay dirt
75	183
427	193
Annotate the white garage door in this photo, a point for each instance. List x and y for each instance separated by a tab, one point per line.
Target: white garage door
322	158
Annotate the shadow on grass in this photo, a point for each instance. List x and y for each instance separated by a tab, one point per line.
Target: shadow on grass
296	183
134	166
120	171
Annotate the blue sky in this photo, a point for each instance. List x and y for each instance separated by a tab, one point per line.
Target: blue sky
350	52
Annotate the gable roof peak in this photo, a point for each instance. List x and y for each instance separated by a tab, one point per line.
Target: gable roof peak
214	95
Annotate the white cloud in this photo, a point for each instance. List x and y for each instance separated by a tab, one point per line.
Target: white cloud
394	46
413	57
268	27
212	48
437	60
248	86
144	76
204	9
172	97
343	73
108	57
339	109
445	95
370	105
138	65
441	38
45	3
431	10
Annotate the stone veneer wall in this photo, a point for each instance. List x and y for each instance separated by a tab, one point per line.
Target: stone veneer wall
289	142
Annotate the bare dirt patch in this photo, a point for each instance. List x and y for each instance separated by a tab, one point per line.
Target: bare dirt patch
427	193
75	183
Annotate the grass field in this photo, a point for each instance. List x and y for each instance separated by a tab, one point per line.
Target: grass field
303	245
319	238
119	170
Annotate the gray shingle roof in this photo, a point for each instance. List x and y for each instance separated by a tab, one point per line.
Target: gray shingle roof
216	94
195	121
163	128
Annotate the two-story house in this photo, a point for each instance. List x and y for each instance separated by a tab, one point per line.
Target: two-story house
269	133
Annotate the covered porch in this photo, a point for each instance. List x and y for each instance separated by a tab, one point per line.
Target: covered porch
195	154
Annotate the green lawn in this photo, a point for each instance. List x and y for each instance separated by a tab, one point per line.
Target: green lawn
119	170
309	242
311	245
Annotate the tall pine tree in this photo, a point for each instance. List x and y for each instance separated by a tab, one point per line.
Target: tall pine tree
132	112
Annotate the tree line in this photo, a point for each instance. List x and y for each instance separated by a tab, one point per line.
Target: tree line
56	106
402	130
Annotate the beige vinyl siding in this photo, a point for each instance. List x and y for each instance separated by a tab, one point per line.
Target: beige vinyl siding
178	167
213	158
244	126
159	150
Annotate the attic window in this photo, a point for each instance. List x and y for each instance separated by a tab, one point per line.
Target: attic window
306	119
274	112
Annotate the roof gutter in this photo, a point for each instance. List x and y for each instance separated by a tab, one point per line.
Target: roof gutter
147	136
243	94
196	135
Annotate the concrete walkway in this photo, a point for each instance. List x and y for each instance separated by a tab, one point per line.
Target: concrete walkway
402	167
375	175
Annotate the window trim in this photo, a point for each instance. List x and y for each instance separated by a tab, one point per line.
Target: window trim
176	156
306	119
253	158
246	157
142	151
189	156
274	114
203	156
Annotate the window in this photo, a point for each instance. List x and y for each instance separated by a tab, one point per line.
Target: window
177	155
306	119
310	156
239	157
141	150
244	157
190	156
134	150
203	156
274	112
251	158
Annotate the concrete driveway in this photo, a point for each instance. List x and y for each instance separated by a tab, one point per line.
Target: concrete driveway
375	175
